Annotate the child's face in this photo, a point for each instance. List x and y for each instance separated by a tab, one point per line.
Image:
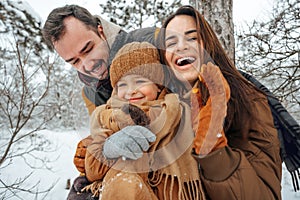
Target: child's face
136	89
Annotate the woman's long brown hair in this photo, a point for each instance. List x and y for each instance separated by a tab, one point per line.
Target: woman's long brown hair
239	106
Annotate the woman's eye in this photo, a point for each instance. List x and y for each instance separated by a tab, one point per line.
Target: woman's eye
171	44
192	38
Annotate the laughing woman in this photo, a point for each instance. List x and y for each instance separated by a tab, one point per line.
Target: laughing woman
242	159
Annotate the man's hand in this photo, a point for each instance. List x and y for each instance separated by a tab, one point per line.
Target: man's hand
75	192
79	156
130	142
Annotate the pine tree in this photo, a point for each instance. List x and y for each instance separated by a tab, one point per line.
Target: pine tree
134	14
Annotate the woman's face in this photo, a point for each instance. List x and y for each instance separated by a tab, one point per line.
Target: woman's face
182	48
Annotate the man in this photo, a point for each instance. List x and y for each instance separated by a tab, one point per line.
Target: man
88	43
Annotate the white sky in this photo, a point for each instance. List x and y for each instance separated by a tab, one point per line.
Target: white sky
243	11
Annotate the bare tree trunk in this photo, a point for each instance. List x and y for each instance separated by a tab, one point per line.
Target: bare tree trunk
219	15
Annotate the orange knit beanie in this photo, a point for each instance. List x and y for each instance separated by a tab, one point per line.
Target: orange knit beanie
139	58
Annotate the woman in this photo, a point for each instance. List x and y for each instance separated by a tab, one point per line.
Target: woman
247	164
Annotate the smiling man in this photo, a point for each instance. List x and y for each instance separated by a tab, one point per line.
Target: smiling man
89	43
84	49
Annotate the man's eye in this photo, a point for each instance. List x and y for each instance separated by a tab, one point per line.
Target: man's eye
89	50
75	62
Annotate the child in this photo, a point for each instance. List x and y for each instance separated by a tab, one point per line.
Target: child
166	169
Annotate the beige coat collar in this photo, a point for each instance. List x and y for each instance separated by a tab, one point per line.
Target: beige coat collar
110	30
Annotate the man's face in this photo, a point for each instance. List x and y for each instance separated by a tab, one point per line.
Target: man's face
84	49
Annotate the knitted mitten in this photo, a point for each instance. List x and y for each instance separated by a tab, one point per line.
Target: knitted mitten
79	156
210	134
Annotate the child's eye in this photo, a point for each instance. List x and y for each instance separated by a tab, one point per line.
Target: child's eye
121	85
140	81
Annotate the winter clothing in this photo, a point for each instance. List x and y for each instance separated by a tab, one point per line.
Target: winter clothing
97	92
126	186
139	58
208	120
76	190
288	132
160	167
79	156
130	142
164	168
255	159
248	161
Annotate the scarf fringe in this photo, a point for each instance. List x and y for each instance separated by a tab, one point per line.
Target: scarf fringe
95	188
188	190
295	179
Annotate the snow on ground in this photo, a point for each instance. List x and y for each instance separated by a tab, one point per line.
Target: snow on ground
63	169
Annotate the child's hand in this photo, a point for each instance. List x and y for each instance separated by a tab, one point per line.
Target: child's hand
130	142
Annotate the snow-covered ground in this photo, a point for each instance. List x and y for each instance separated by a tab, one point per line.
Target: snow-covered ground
63	169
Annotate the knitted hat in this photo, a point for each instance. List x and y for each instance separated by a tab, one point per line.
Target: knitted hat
139	58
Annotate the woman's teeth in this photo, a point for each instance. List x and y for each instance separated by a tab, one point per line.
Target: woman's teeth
185	61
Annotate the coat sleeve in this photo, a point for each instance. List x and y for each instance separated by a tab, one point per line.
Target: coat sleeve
250	170
96	165
88	104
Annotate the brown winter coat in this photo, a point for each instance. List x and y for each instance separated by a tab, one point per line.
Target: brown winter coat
174	172
250	168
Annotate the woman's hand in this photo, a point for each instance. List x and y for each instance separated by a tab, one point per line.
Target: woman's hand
210	134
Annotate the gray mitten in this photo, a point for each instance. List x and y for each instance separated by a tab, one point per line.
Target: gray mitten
130	142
